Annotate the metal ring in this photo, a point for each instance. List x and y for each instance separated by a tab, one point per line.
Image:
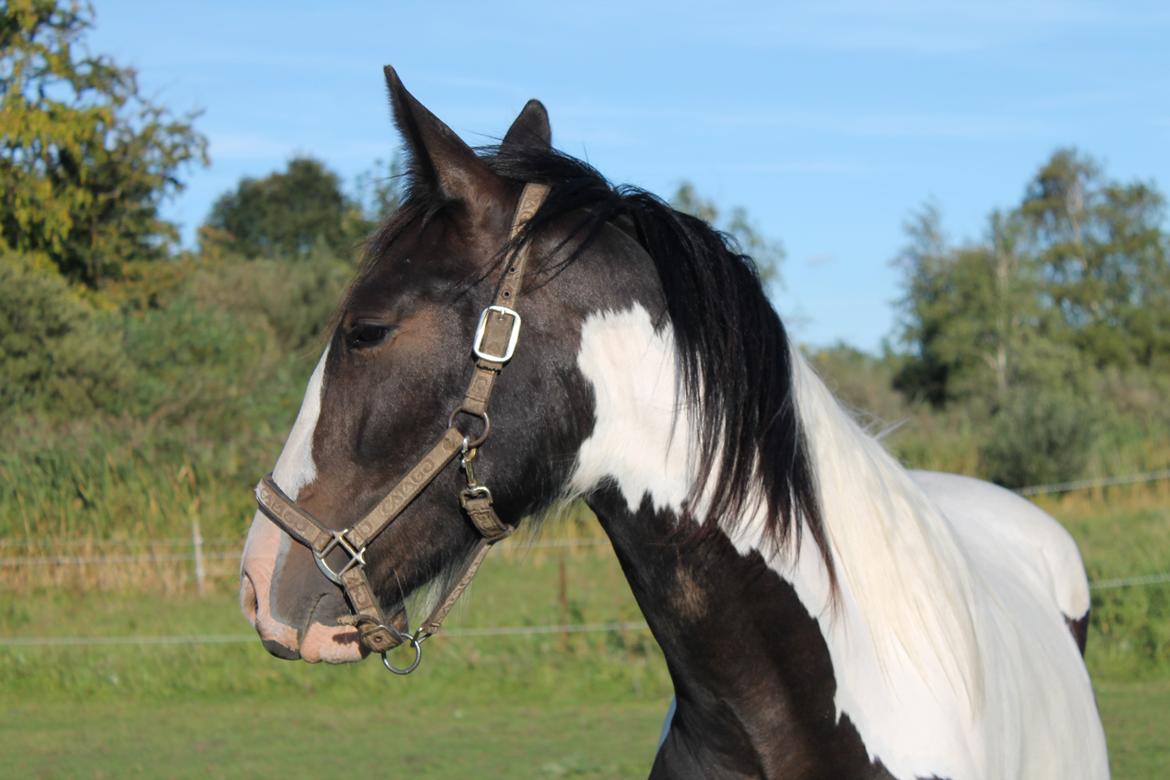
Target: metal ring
356	556
415	644
472	443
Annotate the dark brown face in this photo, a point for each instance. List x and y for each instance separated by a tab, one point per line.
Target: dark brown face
396	366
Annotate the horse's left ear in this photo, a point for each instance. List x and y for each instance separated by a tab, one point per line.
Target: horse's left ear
438	158
530	129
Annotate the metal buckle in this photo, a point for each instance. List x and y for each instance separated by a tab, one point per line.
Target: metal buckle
356	556
477	343
475	491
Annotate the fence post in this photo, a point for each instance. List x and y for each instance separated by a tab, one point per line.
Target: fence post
563	597
197	543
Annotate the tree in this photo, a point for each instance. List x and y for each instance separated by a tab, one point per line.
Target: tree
1104	257
973	315
1075	276
290	214
766	252
925	307
85	160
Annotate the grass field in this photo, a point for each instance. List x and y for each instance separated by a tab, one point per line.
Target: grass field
583	705
383	734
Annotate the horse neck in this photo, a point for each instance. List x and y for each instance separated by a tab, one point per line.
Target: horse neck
750	669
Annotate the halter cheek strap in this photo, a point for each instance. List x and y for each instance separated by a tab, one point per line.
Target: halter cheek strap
495	342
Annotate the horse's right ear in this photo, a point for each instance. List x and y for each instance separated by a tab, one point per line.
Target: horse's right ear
530	129
439	159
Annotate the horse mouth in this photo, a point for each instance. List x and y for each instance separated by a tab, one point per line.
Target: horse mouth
323	639
331	639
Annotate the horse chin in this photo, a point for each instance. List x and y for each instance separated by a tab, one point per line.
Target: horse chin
331	644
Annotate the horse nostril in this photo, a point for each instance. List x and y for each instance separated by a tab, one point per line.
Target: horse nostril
248	601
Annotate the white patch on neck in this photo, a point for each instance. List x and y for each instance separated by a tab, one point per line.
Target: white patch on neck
947	662
640	437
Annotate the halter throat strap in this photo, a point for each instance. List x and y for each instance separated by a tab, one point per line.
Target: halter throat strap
496	337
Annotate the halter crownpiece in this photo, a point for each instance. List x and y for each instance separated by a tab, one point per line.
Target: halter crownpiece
494	344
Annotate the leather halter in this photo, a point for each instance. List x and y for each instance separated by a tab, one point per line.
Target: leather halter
494	343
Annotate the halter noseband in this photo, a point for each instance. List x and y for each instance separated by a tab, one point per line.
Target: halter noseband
494	344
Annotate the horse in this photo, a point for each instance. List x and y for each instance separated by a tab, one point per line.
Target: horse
823	611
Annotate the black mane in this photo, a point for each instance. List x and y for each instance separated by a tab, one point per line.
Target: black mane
736	371
733	351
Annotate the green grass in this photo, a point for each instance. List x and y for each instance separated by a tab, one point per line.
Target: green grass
1123	534
531	706
1137	727
309	737
384	733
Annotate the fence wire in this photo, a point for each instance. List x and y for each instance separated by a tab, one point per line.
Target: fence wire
232	639
233	552
229	549
1087	484
1142	580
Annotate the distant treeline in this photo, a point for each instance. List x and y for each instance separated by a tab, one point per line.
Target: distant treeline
1046	341
141	384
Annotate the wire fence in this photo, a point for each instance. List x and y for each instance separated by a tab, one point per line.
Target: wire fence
456	633
181	558
231	639
231	550
1141	580
112	560
1089	484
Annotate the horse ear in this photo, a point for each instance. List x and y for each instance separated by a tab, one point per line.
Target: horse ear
438	157
531	128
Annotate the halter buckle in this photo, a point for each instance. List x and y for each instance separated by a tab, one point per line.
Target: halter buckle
356	556
481	329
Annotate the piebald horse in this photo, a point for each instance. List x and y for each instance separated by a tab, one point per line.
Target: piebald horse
823	611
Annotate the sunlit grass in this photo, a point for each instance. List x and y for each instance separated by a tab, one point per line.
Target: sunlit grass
582	705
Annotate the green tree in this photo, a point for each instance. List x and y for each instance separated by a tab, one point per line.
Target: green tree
925	307
85	160
974	316
1075	276
290	214
1104	257
767	253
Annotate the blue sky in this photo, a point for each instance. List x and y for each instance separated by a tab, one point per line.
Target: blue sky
829	121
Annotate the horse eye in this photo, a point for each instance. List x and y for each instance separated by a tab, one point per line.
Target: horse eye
366	334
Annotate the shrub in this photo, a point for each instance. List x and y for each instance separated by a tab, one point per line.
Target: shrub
296	299
1038	437
58	352
198	364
